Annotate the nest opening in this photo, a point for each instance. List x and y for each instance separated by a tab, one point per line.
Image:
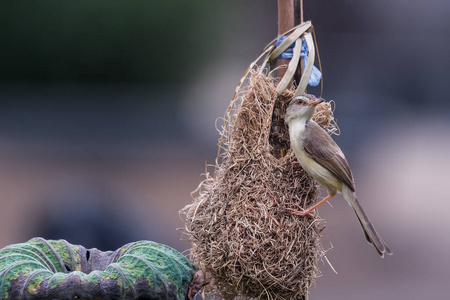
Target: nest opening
242	235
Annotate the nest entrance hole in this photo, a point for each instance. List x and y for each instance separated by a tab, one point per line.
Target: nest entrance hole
279	132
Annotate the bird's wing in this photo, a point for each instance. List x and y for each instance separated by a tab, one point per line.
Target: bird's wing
324	150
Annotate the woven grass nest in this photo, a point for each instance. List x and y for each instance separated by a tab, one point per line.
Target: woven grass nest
242	235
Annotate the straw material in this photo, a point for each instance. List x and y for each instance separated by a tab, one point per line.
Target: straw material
242	235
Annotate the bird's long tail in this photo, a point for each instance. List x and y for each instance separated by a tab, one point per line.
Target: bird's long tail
372	235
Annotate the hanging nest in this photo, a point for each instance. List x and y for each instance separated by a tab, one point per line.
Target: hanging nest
241	233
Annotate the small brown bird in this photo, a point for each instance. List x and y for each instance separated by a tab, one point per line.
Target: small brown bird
323	160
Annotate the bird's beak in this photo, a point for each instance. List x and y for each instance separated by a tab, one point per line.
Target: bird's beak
314	103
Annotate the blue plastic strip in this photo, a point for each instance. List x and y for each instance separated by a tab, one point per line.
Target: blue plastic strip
316	75
288	53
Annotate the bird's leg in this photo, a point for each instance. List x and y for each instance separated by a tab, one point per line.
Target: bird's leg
307	212
319	203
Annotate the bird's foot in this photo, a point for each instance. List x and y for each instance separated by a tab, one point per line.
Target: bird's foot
301	212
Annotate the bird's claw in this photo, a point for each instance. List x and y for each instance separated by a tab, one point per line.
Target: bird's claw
301	212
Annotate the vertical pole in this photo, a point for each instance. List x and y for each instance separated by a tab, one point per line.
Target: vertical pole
285	22
298	19
298	12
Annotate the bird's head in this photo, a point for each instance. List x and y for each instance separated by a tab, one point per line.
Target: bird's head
301	108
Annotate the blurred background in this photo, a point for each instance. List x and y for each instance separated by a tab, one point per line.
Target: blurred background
107	114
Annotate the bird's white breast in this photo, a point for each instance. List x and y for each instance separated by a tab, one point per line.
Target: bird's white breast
297	133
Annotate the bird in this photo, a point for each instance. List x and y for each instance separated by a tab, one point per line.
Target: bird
320	156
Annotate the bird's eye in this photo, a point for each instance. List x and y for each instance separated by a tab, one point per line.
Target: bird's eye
299	101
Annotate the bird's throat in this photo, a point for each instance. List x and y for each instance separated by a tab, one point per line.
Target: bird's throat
297	128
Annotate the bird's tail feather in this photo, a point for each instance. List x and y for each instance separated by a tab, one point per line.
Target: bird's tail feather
372	235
